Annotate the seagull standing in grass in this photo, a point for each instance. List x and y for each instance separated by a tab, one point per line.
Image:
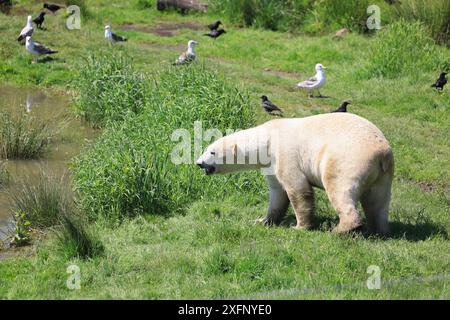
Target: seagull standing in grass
112	36
269	106
343	107
37	48
27	30
313	83
188	56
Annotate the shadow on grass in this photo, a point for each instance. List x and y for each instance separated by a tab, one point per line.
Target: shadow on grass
398	230
46	60
416	232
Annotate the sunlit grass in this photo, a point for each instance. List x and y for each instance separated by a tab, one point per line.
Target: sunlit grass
209	247
23	136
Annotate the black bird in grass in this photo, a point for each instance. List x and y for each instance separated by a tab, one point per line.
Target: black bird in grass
215	25
52	7
215	33
440	83
5	6
342	108
269	106
39	20
393	2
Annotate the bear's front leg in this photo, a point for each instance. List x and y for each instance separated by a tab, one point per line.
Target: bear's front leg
278	202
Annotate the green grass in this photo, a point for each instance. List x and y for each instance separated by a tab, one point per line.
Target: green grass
4	176
402	49
216	251
434	14
75	239
23	136
212	248
129	171
110	89
316	17
44	202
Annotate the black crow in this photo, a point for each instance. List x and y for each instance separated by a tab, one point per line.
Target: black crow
342	108
215	25
215	33
393	2
269	106
440	83
5	6
52	7
39	20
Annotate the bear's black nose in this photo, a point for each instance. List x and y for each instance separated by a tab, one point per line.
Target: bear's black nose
201	165
209	169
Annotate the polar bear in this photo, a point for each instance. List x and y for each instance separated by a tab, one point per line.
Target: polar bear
342	153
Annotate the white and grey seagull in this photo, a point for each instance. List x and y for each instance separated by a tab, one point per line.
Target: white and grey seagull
313	83
37	48
112	36
27	30
188	56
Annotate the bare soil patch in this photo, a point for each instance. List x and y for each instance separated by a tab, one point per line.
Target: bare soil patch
163	29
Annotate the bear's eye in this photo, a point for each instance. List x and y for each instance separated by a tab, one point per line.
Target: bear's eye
213	153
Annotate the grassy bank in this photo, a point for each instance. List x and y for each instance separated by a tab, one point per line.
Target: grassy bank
168	231
318	17
22	136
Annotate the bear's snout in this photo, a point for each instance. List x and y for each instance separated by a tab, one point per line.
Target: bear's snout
209	169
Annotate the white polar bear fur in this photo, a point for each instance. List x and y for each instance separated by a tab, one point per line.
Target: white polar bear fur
342	153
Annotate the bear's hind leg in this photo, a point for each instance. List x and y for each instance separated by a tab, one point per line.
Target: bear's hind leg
375	203
349	217
279	202
345	203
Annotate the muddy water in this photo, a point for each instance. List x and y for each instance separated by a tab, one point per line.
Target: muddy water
72	134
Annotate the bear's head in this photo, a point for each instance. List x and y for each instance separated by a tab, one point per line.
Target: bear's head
219	157
241	151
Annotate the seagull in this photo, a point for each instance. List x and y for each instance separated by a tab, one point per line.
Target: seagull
314	83
27	30
39	20
188	56
52	7
112	36
37	48
215	33
269	106
215	25
342	108
440	82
